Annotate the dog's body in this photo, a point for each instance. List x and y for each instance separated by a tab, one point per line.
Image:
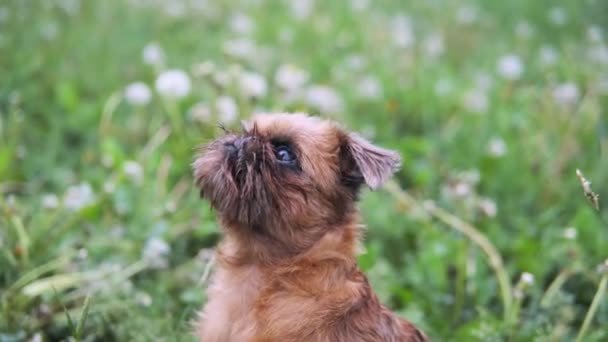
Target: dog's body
285	191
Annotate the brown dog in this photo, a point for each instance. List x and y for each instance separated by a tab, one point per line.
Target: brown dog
285	191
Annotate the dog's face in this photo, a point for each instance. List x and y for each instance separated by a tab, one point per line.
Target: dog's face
289	176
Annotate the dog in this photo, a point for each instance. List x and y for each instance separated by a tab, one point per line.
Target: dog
285	191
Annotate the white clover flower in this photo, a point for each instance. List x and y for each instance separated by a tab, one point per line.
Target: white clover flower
461	189
200	112
239	48
369	88
566	93
483	80
170	206
461	186
134	171
203	69
322	23
595	34
488	207
443	87
222	78
173	83
241	23
471	176
457	189
510	67
355	62
4	14
49	30
263	57
155	253
153	54
547	55
71	7
467	15
570	233
476	101
117	231
143	298
201	5
558	16
50	201
359	5
598	54
79	196
205	255
83	253
175	9
325	99
402	31
253	85
301	9
109	187
107	160
433	45
136	3
290	77
523	29
527	278
497	147
227	109
138	94
429	204
286	35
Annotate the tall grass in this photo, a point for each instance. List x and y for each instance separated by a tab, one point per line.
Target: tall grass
483	235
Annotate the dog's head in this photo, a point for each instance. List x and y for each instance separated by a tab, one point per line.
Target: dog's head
289	176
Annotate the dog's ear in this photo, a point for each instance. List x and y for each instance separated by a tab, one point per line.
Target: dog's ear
364	162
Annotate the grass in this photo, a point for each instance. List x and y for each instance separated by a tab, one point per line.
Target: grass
492	105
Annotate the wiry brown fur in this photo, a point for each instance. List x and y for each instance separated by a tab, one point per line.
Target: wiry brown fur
287	266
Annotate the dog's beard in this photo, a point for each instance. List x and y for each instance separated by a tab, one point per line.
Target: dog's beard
237	176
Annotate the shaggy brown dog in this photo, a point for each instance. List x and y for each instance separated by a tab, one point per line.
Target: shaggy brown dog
285	191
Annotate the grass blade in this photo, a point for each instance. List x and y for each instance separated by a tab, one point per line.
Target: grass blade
83	317
597	299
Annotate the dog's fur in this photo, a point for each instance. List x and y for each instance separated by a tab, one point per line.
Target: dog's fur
287	266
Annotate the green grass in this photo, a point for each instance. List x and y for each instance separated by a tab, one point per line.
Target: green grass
131	258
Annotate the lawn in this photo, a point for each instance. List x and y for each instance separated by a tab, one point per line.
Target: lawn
485	234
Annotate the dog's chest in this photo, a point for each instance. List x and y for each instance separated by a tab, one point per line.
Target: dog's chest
228	314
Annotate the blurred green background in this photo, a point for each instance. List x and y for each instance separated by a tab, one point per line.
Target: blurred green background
492	105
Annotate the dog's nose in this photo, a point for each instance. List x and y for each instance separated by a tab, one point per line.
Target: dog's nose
232	147
245	144
247	147
237	145
240	143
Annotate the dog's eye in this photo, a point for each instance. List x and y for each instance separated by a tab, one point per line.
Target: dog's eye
284	154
